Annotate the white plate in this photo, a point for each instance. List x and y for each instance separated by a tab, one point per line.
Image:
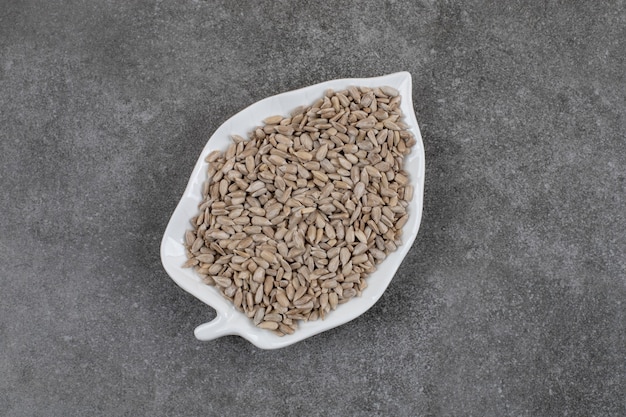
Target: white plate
229	321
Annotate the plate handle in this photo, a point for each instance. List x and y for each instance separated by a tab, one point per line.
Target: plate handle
213	329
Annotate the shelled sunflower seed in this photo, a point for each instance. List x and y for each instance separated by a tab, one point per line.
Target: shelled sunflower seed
296	217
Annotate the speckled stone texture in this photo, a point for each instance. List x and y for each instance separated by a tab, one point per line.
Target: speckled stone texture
510	303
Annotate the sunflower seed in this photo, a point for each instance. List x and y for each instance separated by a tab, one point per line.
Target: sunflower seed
269	325
272	120
389	91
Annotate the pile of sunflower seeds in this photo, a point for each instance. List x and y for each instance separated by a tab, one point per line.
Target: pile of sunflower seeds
295	218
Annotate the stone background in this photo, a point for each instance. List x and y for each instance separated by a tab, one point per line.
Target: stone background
510	303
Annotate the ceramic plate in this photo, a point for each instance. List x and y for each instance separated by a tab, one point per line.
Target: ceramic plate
229	321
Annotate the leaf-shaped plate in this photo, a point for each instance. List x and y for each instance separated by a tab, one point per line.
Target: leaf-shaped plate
229	321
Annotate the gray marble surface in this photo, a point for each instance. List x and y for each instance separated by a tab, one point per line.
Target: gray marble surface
511	301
